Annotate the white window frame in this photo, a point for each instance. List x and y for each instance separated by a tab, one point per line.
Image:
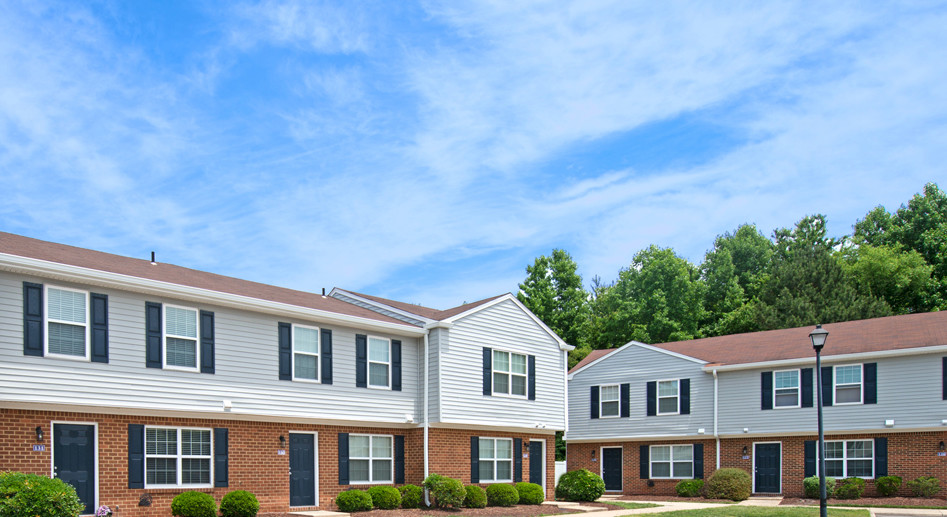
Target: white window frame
602	401
165	336
368	363
318	353
658	397
496	460
509	373
845	459
861	385
798	389
179	456
371	460
671	461
47	320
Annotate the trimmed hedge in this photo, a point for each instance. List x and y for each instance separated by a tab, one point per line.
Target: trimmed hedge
689	487
194	504
530	493
732	484
502	495
239	503
580	485
385	497
924	486
888	486
29	495
810	486
412	496
446	492
849	488
354	501
476	497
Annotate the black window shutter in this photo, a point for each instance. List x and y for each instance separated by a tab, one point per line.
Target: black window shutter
806	394
827	389
652	399
474	459
594	402
625	400
810	457
881	457
644	469
766	390
32	319
395	365
285	352
685	396
517	460
871	382
207	342
399	459
698	461
136	456
153	335
100	327
943	378
532	377
326	359
343	458
220	457
487	371
361	361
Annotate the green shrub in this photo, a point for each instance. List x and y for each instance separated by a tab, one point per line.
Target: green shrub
239	503
354	501
446	492
385	497
502	495
689	487
924	486
732	484
888	486
849	488
530	493
580	485
29	495
412	496
810	486
194	504
476	497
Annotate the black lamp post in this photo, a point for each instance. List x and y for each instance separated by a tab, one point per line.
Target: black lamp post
818	341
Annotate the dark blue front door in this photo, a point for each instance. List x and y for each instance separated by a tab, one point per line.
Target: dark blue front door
302	470
611	468
767	460
536	462
74	460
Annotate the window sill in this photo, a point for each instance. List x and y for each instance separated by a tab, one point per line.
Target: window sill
165	489
84	359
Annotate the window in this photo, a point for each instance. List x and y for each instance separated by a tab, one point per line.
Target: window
850	458
379	362
496	460
672	461
608	396
305	353
786	388
668	399
371	458
66	321
180	337
509	373
177	457
848	384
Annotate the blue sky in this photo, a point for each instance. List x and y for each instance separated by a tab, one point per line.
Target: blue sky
429	151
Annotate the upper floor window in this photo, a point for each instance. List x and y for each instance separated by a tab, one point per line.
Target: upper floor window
496	460
305	353
849	458
668	397
180	338
786	388
379	362
67	322
509	373
609	401
371	458
848	384
179	457
672	461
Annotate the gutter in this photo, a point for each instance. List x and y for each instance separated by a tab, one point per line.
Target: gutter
899	352
716	434
427	425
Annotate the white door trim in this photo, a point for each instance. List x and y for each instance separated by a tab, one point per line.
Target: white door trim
95	452
315	458
601	467
780	464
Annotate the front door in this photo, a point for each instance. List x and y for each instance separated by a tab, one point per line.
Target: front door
537	462
302	469
611	468
767	459
74	460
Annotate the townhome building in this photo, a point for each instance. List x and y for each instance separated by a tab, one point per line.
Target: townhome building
646	416
135	380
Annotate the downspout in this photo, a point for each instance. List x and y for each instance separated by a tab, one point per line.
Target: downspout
427	366
716	435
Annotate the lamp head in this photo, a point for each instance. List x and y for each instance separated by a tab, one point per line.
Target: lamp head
818	337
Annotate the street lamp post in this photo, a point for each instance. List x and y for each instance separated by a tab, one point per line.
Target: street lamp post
818	341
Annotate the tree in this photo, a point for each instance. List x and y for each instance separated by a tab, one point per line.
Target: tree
553	291
900	277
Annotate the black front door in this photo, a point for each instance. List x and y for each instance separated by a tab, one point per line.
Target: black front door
536	462
611	468
302	470
74	460
767	459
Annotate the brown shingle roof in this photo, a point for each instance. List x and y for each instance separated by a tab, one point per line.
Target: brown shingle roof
60	253
593	355
427	312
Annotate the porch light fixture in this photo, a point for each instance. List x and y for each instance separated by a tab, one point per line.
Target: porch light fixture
745	452
817	336
282	441
39	434
593	454
941	445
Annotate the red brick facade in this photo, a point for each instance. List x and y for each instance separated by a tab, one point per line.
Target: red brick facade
254	463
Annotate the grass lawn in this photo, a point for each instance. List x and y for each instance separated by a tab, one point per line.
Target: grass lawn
763	511
630	506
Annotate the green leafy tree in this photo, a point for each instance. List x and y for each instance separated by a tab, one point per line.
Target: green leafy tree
900	277
553	292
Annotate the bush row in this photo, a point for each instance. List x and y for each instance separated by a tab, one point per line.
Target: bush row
445	493
854	488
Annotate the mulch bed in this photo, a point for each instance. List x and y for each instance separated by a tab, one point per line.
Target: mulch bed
674	498
520	510
872	501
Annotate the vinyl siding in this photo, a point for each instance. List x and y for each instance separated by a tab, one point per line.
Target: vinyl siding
436	337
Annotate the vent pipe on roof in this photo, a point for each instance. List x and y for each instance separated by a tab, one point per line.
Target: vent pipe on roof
323	292
153	258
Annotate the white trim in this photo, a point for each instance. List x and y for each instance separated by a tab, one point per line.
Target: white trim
508	296
861	385
840	358
95	445
601	466
87	325
670	460
317	354
601	401
165	336
641	345
657	398
380	305
780	466
371	459
845	459
368	363
509	373
179	456
315	459
798	388
496	460
543	441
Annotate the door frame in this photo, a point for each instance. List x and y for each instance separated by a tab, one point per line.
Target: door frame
780	464
601	468
315	461
95	454
543	457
